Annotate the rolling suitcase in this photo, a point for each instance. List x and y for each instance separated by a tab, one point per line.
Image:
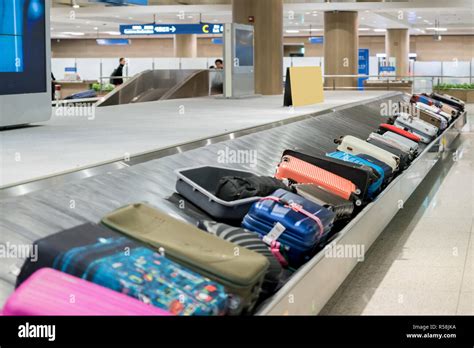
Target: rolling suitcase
49	293
106	258
390	142
356	146
388	173
385	127
431	117
251	241
404	158
341	207
242	275
82	95
426	131
346	157
454	112
361	177
450	100
297	223
302	172
434	110
412	146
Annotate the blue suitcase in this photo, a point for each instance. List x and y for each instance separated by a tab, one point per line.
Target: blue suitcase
82	95
388	172
347	157
300	225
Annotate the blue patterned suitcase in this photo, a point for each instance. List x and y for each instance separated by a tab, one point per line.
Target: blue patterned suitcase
106	258
300	225
374	188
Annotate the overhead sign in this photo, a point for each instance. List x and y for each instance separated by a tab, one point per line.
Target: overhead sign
363	66
386	69
167	29
113	42
316	40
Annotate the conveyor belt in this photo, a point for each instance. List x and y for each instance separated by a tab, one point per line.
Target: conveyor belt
38	214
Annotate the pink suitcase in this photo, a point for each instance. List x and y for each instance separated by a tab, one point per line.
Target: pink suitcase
49	292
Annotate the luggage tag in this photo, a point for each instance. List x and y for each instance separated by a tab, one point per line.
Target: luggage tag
271	240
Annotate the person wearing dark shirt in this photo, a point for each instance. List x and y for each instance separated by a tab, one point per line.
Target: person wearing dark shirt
118	72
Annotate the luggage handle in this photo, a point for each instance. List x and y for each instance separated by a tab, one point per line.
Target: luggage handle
298	208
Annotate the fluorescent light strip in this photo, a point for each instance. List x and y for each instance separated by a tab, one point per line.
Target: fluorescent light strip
364	29
292	31
437	29
380	30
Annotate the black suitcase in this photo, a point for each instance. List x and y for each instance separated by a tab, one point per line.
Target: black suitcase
341	207
388	172
447	99
405	157
359	175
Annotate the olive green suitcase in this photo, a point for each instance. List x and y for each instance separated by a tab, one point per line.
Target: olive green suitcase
240	270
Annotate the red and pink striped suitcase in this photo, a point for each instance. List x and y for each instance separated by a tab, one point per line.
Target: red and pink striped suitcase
49	292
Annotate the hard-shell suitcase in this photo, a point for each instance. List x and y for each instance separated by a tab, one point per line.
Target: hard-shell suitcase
388	173
404	158
241	274
430	117
443	106
347	157
390	142
52	293
435	110
385	127
107	258
251	241
356	146
361	176
450	100
426	131
297	223
411	145
199	185
302	172
82	95
341	207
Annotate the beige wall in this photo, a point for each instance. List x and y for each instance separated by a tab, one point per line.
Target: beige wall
460	47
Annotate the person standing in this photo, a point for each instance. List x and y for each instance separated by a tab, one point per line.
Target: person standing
118	72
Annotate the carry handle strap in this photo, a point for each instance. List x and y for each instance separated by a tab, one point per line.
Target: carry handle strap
275	250
298	208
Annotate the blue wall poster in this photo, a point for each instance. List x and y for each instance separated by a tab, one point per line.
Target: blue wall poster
363	66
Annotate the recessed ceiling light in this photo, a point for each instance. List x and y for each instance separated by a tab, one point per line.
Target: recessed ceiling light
291	31
95	28
113	32
52	28
307	13
362	18
364	29
75	6
437	29
73	33
380	30
419	17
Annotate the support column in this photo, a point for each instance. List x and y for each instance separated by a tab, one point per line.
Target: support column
185	46
268	25
341	45
397	45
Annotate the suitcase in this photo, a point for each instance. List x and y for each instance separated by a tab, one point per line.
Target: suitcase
346	157
106	258
450	100
297	223
348	181
356	146
251	241
385	127
431	117
426	131
52	293
241	274
342	208
388	173
404	158
435	110
199	185
391	142
454	112
82	95
412	146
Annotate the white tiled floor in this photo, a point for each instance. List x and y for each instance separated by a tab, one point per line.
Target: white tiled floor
423	263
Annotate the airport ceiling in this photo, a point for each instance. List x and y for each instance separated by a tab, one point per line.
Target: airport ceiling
86	18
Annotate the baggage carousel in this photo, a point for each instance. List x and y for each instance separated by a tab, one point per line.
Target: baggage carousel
35	210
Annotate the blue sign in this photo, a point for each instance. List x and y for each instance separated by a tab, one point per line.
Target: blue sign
167	29
113	42
70	69
386	69
217	41
363	66
316	40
